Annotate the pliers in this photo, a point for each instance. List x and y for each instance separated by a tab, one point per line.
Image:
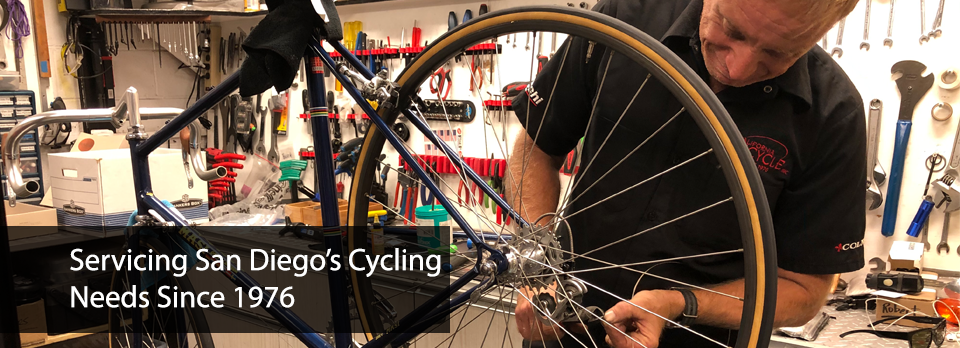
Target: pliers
440	83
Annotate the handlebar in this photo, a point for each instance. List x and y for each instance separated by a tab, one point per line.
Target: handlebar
190	151
115	116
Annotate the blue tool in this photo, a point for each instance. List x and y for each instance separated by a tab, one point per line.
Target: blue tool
912	86
921	218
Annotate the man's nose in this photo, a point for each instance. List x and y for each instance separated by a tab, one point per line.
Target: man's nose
742	63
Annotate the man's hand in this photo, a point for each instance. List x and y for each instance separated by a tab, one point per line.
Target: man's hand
639	324
528	320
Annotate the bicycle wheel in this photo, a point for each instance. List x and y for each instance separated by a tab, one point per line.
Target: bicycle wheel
743	203
174	327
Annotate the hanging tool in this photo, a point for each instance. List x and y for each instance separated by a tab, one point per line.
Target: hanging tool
542	59
912	86
923	22
440	83
276	108
943	246
256	137
948	188
216	127
336	142
836	48
227	109
936	31
261	149
888	41
866	27
352	117
874	197
926	205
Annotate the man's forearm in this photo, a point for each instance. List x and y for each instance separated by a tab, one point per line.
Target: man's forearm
533	184
796	302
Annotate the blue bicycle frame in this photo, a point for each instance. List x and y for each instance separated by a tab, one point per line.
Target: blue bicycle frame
316	58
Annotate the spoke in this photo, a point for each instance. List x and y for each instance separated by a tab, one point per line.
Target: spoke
631	303
607	138
635	185
566	205
646	274
593	112
506	323
430	170
560	290
546	111
728	199
643	263
547	316
492	316
459	325
570	300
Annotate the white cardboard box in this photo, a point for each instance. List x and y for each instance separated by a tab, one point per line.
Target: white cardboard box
93	191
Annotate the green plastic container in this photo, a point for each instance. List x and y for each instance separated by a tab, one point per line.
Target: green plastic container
433	238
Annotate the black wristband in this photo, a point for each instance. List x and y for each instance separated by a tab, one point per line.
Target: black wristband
689	309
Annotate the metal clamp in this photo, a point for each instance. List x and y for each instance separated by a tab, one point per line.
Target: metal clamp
941	111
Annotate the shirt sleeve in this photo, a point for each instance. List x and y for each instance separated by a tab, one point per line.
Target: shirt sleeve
818	218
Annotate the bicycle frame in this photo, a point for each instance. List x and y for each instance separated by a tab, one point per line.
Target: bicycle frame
315	59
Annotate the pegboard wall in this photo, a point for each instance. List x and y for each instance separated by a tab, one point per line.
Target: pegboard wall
868	68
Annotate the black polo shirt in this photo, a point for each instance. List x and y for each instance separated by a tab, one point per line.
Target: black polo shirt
805	129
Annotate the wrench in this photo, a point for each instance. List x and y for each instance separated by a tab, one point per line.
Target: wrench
889	40
943	235
879	175
866	27
274	154
261	149
923	22
836	49
948	187
923	236
935	32
874	197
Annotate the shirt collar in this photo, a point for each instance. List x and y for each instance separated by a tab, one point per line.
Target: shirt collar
795	81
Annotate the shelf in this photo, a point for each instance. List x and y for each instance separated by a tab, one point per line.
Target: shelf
172	13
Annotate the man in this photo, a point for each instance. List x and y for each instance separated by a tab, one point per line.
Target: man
799	113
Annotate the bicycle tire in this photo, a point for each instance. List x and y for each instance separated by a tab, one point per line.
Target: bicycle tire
719	129
198	320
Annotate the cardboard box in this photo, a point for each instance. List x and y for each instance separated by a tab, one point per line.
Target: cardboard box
33	323
905	255
29	220
922	303
309	212
93	191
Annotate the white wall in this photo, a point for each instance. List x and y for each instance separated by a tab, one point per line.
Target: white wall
868	69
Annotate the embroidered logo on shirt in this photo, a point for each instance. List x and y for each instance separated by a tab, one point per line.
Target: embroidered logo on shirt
770	154
849	246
